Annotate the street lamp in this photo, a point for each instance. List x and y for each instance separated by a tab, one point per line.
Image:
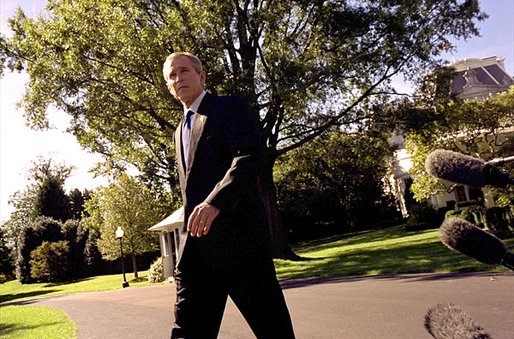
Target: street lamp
119	235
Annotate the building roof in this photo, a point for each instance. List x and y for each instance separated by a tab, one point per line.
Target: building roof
171	222
476	77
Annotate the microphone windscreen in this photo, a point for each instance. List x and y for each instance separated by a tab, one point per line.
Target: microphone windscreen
456	167
450	322
466	238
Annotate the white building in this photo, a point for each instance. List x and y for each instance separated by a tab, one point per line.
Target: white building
479	78
168	239
475	79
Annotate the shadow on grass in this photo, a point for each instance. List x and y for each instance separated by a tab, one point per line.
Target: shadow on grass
4	298
64	283
140	279
369	236
407	261
7	329
12	329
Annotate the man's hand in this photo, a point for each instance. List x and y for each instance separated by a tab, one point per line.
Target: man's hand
201	219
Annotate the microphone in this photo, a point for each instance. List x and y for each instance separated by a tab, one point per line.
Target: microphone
447	321
464	237
464	169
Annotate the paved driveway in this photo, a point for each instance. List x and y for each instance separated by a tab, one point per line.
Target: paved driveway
347	307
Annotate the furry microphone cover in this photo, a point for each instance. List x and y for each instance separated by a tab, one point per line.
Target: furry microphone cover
447	321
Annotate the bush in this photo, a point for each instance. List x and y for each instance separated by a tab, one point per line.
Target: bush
497	219
4	278
77	237
473	214
6	260
30	238
451	213
92	256
50	261
156	271
422	217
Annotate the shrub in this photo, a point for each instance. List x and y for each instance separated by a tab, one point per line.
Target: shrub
451	213
6	260
30	238
92	256
422	217
50	261
473	214
77	237
4	278
497	219
156	271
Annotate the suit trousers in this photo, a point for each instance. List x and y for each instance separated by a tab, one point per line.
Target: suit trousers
202	293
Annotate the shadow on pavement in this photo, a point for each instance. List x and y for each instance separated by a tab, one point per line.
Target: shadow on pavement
304	282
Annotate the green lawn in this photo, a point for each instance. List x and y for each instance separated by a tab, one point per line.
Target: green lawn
46	322
388	251
35	322
14	291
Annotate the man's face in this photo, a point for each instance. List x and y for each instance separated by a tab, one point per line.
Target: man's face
184	82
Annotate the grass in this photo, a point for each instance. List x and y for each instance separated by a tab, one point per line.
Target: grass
14	291
35	322
46	322
388	251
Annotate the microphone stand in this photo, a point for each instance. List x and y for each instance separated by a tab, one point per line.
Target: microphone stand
500	161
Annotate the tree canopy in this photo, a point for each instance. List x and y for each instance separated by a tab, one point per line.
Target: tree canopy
305	66
335	182
43	196
130	205
482	129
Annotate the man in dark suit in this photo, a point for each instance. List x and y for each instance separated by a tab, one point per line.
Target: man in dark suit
223	249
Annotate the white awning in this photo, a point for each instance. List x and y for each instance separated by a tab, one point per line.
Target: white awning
170	223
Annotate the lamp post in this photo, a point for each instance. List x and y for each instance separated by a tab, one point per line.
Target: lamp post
119	235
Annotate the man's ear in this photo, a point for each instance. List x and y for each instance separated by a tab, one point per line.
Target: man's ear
203	77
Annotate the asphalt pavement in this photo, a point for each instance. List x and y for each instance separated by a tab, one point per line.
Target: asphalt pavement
392	306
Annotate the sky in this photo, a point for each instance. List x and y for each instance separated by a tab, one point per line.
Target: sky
20	146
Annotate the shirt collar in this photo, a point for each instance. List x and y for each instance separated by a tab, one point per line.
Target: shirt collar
196	104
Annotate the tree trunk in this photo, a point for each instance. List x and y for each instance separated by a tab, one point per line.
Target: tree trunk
280	248
134	265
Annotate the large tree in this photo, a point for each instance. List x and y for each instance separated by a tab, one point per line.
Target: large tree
305	66
50	198
52	201
130	205
336	181
43	196
77	200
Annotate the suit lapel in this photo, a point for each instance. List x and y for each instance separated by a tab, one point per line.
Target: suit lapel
178	151
196	134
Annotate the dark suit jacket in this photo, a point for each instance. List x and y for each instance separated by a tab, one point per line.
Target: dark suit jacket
225	157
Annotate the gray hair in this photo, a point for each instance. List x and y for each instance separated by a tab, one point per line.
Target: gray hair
197	64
